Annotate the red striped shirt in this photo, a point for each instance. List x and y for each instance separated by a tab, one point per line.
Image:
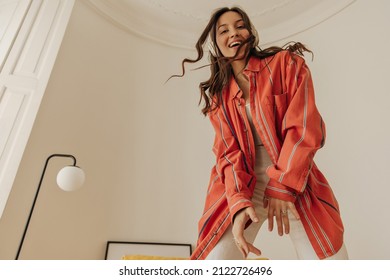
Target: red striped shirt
292	130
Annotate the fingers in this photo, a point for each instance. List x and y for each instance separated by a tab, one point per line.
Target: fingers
242	247
279	222
241	244
271	213
282	222
279	209
239	223
285	222
246	248
253	249
252	214
238	230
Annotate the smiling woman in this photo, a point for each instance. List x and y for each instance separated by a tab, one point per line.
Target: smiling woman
111	81
231	33
267	130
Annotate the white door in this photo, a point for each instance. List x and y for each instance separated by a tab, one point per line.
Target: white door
31	32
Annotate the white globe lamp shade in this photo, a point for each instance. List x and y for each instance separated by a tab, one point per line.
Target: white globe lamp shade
70	178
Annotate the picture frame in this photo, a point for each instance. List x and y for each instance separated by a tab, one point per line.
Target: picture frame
116	250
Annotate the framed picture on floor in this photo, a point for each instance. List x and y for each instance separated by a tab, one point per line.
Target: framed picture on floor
117	250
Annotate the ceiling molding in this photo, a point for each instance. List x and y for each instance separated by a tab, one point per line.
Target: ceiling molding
166	22
307	20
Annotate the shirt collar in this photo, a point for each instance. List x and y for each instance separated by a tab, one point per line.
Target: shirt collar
253	65
234	89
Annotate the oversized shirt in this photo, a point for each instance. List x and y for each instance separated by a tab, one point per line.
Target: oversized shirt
286	118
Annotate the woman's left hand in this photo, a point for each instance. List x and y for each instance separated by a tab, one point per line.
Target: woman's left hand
279	208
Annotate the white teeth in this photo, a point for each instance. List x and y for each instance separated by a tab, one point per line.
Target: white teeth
234	44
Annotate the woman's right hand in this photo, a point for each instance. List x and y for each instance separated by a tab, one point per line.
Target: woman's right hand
240	220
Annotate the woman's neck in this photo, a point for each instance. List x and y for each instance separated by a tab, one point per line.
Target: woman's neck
238	66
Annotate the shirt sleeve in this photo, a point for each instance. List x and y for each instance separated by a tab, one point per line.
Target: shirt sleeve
303	133
231	163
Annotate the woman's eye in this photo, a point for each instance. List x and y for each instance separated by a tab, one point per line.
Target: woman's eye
241	26
223	31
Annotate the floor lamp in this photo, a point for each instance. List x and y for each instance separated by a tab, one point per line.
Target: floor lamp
69	178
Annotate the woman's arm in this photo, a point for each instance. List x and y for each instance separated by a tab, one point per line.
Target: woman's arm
303	132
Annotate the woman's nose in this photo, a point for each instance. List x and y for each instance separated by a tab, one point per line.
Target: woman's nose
233	33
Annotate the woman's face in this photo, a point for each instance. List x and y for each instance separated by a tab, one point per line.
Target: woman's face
230	33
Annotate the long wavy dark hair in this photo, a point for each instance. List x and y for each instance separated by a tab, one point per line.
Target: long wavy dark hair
221	71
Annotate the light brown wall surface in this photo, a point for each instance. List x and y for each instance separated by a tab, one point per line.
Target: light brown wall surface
146	148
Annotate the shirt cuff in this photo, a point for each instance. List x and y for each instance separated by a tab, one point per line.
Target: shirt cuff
277	190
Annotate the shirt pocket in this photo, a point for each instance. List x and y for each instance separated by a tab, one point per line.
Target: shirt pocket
278	102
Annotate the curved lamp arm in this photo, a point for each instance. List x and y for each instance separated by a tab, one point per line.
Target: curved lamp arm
36	196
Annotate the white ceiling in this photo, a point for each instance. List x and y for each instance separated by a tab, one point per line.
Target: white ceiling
178	23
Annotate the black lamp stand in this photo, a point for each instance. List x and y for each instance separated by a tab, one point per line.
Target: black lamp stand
36	196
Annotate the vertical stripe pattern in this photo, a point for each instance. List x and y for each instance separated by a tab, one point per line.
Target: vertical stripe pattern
291	133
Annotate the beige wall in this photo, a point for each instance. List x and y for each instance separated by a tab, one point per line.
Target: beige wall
146	149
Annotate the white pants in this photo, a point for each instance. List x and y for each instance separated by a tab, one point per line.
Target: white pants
226	248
